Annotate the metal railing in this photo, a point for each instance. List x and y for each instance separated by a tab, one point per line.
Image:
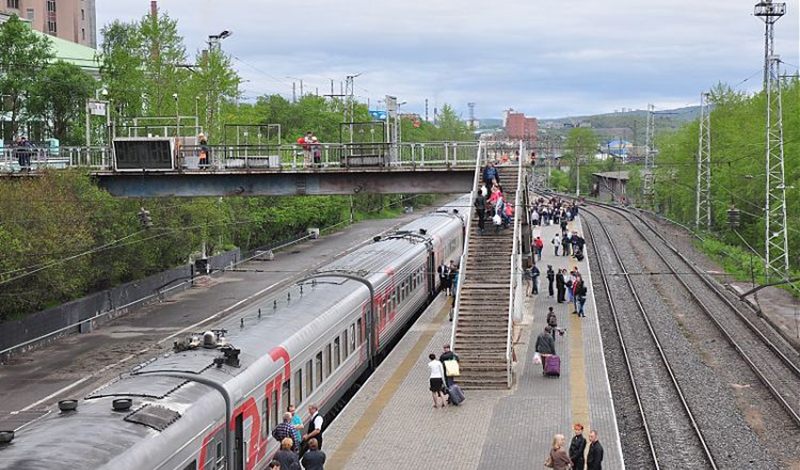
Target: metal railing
462	264
516	291
59	158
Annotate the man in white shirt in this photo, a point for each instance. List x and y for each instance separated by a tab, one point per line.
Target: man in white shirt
436	379
314	430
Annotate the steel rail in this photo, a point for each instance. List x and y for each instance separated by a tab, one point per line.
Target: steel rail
773	389
625	354
673	378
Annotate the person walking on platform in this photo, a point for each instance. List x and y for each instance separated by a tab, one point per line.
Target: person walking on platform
580	296
552	322
558	458
545	345
448	355
535	217
314	459
490	175
480	209
594	460
560	286
556	244
539	247
436	380
577	447
535	278
551	276
566	243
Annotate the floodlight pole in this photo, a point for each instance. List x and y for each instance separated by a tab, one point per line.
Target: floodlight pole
776	237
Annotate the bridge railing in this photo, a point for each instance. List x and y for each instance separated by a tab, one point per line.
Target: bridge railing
98	158
404	155
327	155
517	285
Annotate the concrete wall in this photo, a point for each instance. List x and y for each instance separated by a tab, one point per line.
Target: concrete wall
100	307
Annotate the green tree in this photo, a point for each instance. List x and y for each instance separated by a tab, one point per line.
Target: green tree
164	51
580	153
59	97
122	67
23	54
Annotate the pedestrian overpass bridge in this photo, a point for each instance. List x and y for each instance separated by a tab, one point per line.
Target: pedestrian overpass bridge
146	170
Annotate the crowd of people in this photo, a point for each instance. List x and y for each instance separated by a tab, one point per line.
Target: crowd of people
576	457
23	150
299	450
491	203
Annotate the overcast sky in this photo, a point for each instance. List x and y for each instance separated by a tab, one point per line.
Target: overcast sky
548	59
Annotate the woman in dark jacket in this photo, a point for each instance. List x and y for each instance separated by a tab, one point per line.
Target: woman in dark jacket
577	447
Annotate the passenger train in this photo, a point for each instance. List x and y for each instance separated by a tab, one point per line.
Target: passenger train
212	402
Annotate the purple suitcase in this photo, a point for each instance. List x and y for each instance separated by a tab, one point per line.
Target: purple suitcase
552	366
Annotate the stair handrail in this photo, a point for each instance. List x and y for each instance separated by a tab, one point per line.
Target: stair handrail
462	272
516	268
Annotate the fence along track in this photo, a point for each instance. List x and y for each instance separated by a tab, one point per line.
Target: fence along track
678	390
789	369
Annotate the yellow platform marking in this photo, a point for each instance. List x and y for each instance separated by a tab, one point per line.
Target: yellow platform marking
577	378
364	425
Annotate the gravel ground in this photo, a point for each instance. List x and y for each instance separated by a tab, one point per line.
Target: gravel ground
768	420
674	439
635	447
735	407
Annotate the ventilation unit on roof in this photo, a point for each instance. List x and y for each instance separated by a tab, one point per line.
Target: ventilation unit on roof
6	437
68	405
422	231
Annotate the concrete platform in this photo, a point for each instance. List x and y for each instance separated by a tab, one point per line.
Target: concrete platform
390	423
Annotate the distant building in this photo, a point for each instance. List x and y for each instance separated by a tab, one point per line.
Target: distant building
71	20
519	127
83	56
610	186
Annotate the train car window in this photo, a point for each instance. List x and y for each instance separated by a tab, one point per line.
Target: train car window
358	327
285	397
328	360
319	368
336	353
191	466
220	456
275	409
345	345
298	389
309	377
353	337
265	427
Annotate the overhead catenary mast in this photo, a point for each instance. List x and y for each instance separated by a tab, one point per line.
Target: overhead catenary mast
703	209
776	252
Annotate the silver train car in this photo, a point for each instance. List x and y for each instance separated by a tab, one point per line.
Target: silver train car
212	402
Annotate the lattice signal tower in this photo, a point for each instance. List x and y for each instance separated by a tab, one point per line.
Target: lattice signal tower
703	212
776	237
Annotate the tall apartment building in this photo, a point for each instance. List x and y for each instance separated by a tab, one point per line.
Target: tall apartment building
73	20
519	127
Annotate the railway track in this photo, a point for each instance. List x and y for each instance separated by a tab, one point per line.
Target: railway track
657	392
774	363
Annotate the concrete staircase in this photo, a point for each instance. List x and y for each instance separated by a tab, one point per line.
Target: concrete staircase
482	323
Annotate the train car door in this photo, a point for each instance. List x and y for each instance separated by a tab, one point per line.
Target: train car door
238	443
431	277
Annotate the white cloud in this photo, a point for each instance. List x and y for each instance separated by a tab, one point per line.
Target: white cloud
546	58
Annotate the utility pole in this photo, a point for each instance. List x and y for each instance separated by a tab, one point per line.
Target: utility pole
649	155
294	92
703	200
776	237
